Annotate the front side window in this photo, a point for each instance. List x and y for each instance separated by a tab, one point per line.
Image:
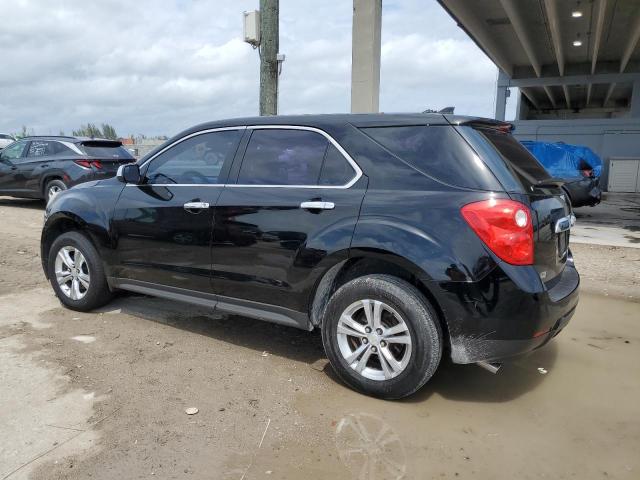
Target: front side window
13	151
283	157
197	160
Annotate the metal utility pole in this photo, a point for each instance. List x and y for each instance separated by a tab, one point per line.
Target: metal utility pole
269	40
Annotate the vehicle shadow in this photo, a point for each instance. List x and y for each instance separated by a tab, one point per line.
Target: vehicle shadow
29	203
451	381
258	335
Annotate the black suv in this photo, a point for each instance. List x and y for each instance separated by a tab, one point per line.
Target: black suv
400	236
41	167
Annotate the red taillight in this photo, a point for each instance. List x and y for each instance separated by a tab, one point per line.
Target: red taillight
505	227
88	163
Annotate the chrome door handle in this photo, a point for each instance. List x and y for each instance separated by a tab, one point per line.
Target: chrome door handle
318	205
196	205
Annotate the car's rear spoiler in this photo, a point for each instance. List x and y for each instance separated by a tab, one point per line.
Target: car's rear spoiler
480	122
101	142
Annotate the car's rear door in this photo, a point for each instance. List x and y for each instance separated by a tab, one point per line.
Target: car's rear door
163	226
294	199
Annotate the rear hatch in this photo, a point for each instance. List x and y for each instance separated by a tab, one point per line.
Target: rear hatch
106	155
526	181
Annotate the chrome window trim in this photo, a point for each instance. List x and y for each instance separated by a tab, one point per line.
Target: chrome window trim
347	157
191	135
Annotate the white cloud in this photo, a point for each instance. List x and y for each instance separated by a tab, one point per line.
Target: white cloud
158	66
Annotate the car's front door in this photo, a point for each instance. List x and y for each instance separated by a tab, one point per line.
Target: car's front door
10	159
296	201
163	225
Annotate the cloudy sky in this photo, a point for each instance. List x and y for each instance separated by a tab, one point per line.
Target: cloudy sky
159	66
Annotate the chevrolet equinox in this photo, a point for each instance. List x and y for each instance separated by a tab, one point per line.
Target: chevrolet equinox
402	237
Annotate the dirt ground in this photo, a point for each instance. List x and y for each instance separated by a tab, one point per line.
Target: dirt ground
103	395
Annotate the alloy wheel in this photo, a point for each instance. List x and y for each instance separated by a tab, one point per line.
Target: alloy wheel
53	191
72	272
374	339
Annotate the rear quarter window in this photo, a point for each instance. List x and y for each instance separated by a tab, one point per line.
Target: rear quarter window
439	152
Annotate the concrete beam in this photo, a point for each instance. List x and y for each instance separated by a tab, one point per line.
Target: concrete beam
527	93
550	95
634	36
635	100
565	89
589	88
551	6
365	56
600	9
575	80
608	94
518	24
473	25
501	95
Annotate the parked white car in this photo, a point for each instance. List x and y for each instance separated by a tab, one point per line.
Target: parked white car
6	139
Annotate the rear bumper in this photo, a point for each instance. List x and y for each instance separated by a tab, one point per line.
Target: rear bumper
584	192
503	316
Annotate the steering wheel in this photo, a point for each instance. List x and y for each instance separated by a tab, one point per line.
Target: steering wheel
195	175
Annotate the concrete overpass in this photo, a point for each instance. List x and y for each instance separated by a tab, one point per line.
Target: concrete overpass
576	65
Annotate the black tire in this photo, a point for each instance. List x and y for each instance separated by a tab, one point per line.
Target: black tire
418	315
98	293
52	188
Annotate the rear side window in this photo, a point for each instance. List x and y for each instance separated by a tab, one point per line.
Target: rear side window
39	148
283	157
524	165
439	152
513	165
105	150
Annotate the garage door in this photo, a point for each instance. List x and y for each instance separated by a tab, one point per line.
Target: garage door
624	175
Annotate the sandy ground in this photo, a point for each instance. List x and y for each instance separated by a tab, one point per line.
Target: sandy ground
103	395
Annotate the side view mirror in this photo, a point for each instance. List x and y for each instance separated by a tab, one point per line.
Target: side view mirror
129	173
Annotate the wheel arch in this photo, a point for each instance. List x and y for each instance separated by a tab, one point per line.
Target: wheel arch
368	263
56	225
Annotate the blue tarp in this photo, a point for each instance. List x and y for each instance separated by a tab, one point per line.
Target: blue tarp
563	160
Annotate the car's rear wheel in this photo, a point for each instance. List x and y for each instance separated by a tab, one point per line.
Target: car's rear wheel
53	188
76	272
382	336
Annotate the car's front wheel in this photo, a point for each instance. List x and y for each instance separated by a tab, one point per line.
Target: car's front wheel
382	336
76	272
53	188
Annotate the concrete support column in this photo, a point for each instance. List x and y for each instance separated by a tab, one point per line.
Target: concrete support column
365	56
635	100
501	95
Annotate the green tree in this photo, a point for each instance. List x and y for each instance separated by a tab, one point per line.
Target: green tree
109	132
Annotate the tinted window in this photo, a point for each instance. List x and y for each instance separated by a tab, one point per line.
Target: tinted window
197	160
105	151
5	137
283	157
13	151
439	152
523	164
336	170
